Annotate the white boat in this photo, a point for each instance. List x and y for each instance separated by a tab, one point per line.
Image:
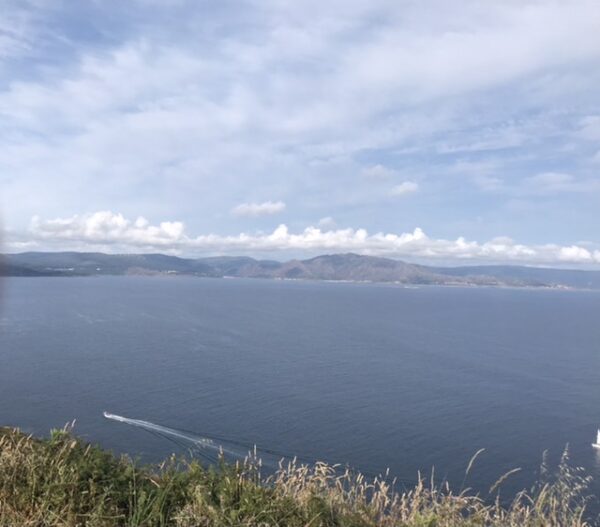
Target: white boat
597	443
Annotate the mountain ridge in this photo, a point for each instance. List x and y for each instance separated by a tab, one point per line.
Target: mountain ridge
332	267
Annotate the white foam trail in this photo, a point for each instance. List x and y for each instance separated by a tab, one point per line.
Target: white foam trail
203	442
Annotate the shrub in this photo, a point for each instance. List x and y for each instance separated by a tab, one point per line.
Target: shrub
64	482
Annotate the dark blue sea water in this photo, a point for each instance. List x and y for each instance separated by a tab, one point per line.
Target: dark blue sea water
375	376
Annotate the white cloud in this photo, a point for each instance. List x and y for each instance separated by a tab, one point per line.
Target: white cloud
406	187
113	232
550	182
149	116
488	183
327	222
556	183
107	228
17	29
267	208
590	128
379	172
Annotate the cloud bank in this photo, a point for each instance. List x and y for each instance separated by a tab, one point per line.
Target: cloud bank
113	232
176	108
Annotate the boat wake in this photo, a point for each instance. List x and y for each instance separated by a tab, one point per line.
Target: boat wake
597	443
198	443
212	448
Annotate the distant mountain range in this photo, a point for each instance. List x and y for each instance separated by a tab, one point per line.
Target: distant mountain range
336	267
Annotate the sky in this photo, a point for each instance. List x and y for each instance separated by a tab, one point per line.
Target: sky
429	131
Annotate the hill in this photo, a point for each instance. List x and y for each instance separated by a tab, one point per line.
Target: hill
335	267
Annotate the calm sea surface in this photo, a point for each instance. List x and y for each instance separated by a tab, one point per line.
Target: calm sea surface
371	375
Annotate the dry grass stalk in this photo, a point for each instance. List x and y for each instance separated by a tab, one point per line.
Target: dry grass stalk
62	482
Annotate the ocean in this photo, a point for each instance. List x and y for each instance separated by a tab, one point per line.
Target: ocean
371	375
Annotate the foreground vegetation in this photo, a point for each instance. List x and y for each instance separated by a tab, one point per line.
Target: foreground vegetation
64	482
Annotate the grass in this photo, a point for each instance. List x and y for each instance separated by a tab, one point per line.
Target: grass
64	482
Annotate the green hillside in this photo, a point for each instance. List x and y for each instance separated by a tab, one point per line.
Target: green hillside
64	482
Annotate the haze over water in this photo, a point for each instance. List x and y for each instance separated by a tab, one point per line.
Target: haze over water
371	375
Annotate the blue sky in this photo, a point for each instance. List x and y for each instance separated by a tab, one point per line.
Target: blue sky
454	132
